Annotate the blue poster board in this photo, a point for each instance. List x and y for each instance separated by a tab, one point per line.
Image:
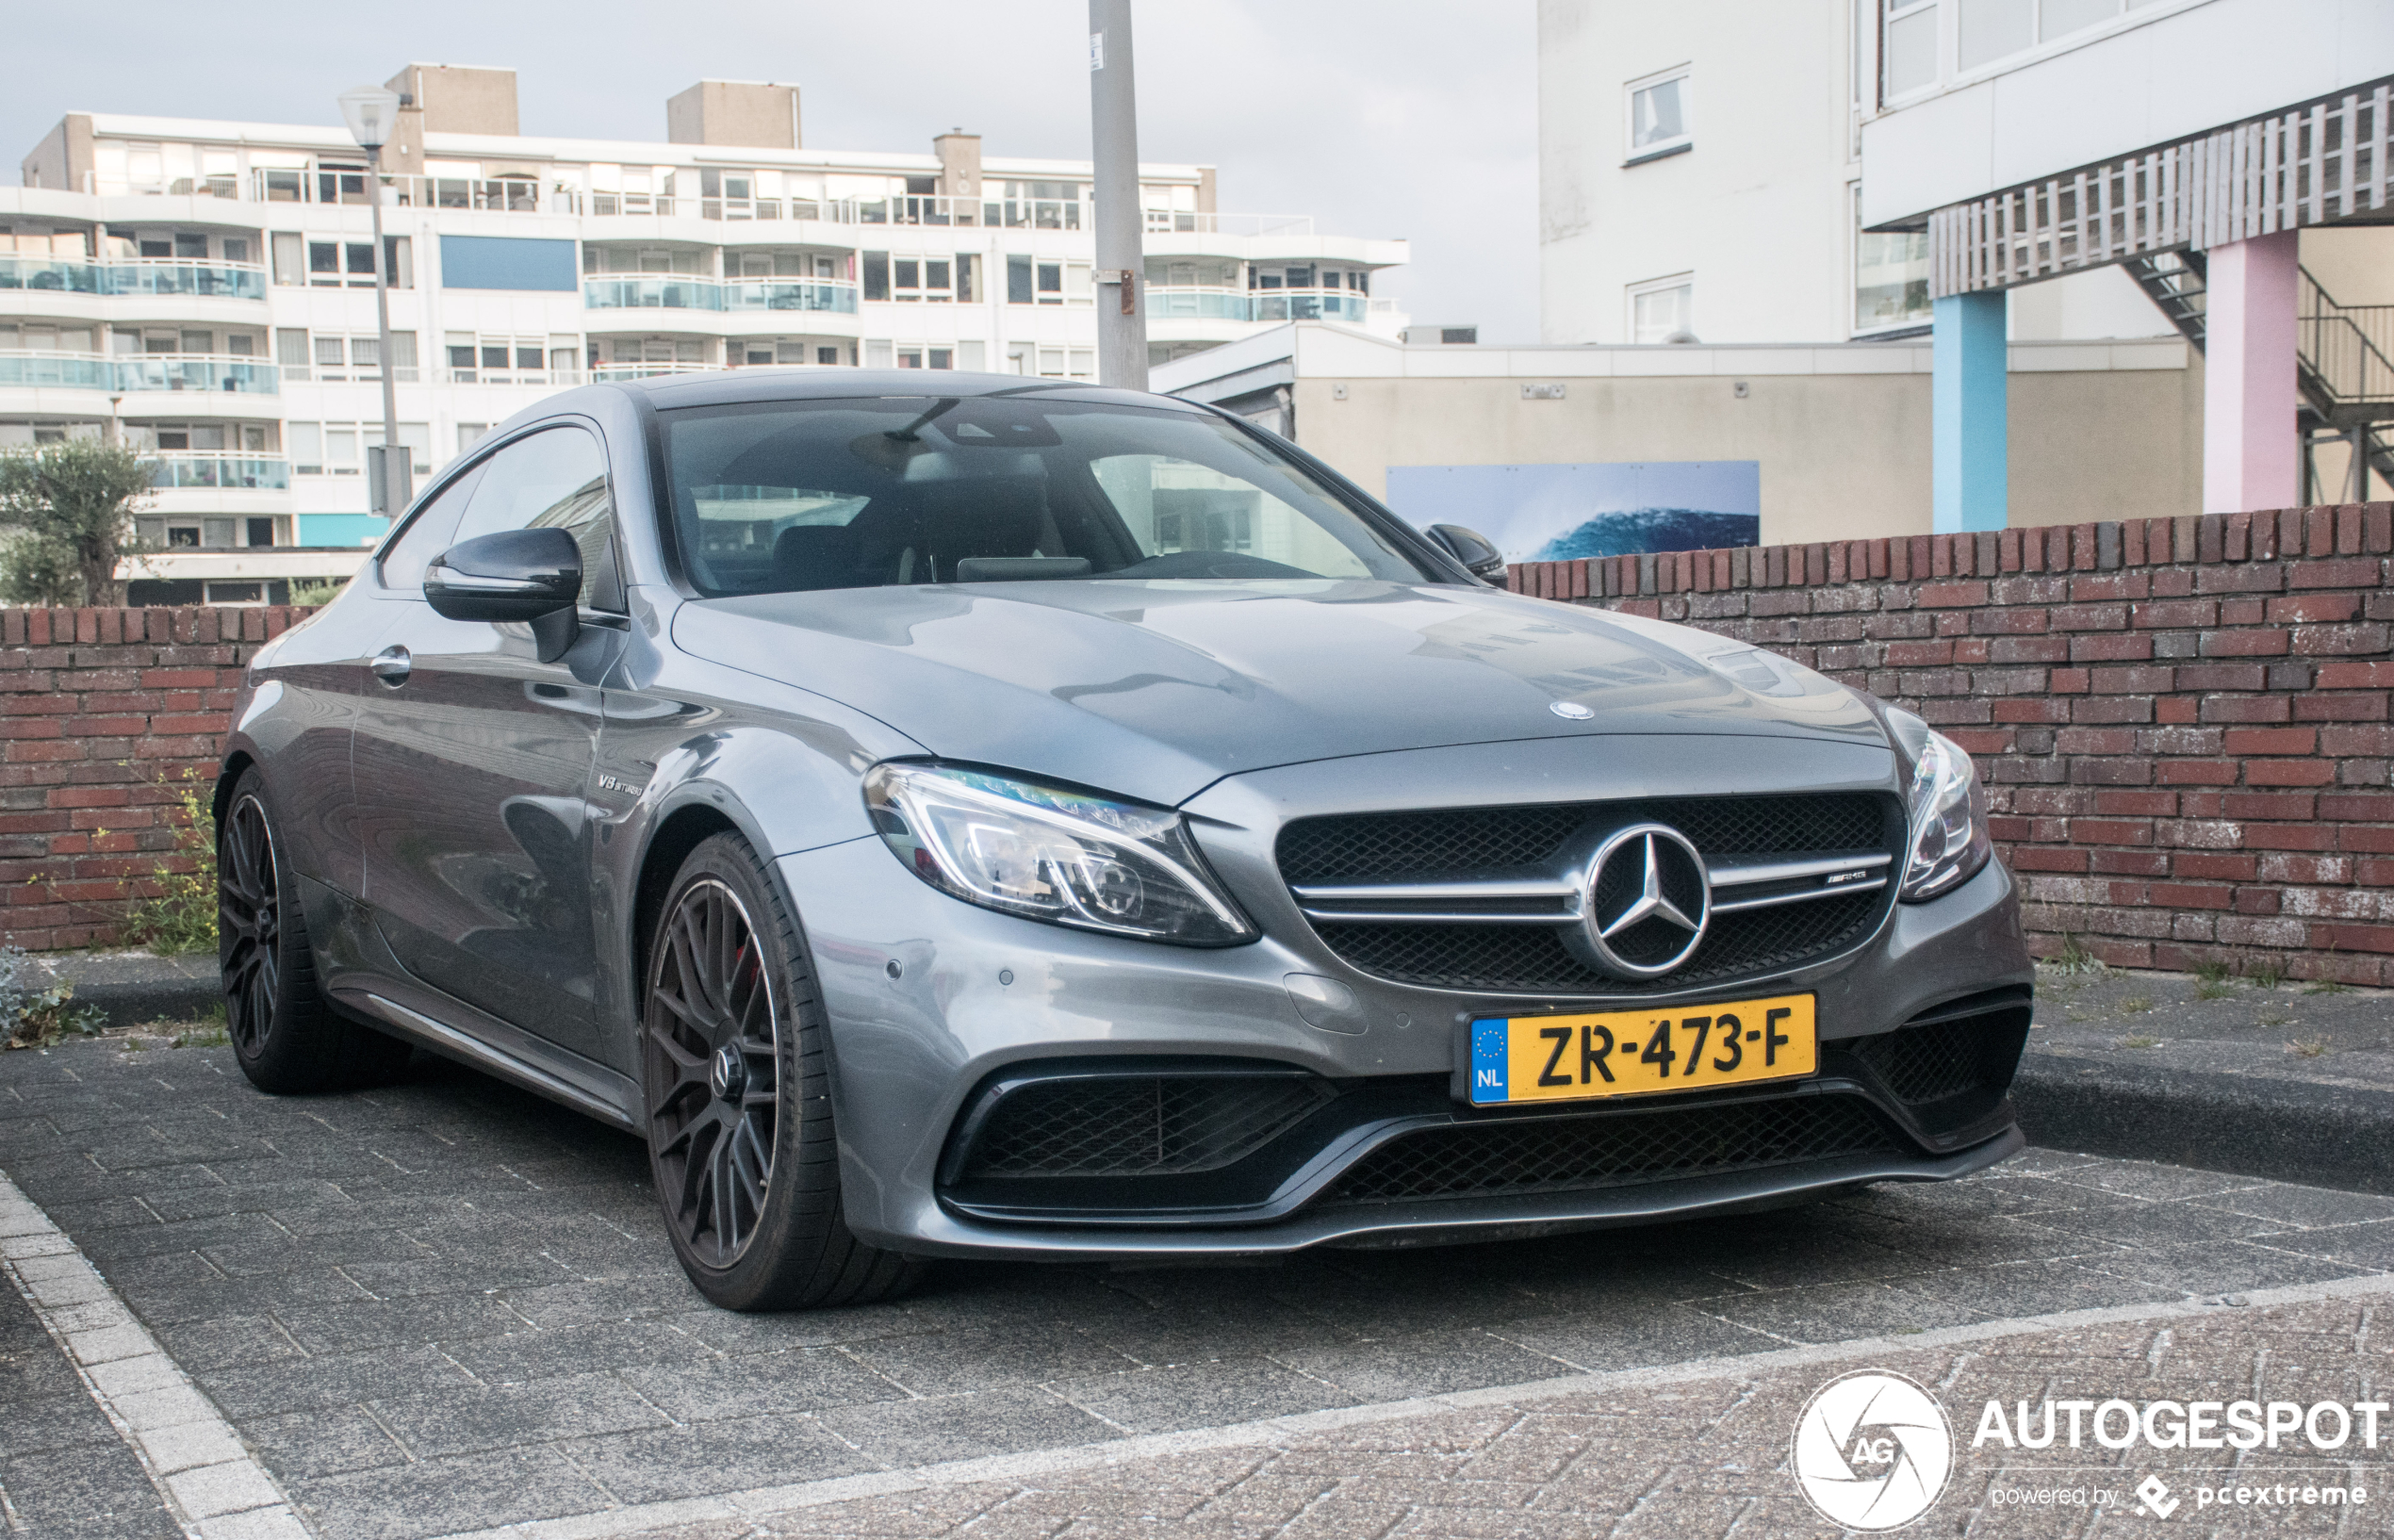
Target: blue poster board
1561	512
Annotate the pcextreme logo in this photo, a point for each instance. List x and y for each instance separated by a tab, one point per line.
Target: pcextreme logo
1872	1450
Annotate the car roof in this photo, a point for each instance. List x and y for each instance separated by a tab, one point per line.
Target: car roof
821	382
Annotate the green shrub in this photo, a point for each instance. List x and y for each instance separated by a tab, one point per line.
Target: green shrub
181	916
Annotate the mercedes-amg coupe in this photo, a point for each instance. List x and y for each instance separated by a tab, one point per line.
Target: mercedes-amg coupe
960	815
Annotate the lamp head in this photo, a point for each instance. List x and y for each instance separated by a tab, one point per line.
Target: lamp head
370	112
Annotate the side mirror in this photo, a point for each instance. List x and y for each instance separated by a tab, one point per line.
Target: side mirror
526	576
1477	553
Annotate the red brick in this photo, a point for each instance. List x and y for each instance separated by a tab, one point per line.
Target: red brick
2190	896
2289	773
2316	609
2200	864
2176	709
1944	596
2136	804
2129	862
2106	831
2257	642
2196	773
2037	858
2271	740
2341	572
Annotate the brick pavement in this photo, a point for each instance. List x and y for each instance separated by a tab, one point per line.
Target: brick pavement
1708	1458
445	1305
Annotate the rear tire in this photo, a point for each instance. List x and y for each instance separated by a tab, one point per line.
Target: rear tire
737	1094
286	1035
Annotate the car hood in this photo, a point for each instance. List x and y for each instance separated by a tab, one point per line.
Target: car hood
1155	690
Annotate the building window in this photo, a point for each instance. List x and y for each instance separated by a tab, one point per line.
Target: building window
1017	280
1908	57
877	275
1663	310
1993	29
1658	108
1890	277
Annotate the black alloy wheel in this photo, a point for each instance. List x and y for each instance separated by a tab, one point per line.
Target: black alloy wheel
249	924
737	1088
287	1037
715	1073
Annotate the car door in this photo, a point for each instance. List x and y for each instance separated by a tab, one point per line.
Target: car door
473	756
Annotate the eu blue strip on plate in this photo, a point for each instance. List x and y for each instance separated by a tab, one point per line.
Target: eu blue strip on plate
1489	1059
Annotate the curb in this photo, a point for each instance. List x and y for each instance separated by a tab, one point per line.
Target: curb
2285	1130
129	1002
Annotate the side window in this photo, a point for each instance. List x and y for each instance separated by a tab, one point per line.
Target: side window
427	535
555	478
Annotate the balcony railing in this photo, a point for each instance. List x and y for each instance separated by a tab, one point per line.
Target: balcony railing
642	371
66	276
197	371
663	291
510	376
1186	304
148	371
834	294
267	472
214	280
65	370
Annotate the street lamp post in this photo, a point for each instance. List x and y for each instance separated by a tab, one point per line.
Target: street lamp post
371	110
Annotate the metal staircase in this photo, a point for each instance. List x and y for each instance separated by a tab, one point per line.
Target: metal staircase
2344	358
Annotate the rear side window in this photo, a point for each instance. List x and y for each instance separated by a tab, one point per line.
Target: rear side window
554	479
427	535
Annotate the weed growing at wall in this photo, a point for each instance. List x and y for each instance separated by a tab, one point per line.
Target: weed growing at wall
181	916
37	1008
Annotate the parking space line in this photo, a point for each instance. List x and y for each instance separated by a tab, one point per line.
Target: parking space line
758	1503
212	1483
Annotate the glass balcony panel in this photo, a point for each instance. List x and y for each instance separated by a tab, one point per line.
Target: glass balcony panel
214	280
59	276
652	293
64	371
790	294
263	472
196	372
644	371
1183	303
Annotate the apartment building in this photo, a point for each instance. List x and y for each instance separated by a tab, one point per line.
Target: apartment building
204	289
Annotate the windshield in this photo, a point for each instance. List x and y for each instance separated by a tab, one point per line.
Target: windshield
781	497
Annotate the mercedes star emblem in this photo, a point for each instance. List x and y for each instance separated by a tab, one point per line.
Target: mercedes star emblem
1648	901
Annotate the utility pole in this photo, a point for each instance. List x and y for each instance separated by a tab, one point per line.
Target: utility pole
1121	266
371	110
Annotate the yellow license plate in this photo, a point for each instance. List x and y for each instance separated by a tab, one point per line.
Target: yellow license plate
1639	1053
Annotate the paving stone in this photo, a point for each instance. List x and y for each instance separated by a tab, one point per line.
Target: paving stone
1004	1421
1202	1395
436	1497
469	1419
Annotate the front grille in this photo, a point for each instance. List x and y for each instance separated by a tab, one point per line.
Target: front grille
1368	848
1142	1126
1532	958
1487	1160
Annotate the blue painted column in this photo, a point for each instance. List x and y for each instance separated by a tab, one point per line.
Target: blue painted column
1968	438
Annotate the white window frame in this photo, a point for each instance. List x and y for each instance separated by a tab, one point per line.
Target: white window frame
1631	293
1633	153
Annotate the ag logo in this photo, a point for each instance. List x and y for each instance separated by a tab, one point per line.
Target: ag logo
1872	1450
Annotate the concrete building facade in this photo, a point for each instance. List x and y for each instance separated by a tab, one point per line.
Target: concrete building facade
204	288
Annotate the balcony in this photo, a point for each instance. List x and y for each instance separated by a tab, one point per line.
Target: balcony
66	276
675	292
544	377
213	280
833	294
264	472
151	372
1186	304
648	371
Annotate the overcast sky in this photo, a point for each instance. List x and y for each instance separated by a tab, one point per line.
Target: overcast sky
1402	118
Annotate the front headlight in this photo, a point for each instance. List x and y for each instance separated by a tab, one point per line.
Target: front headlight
1946	808
1048	854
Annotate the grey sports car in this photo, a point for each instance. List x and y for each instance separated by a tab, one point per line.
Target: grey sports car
954	815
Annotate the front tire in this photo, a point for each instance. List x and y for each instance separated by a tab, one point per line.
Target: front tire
286	1035
738	1099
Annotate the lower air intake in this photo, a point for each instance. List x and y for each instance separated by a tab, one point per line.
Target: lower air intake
1488	1160
1970	1046
1139	1125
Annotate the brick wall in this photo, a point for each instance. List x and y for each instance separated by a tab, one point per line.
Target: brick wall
2183	722
100	711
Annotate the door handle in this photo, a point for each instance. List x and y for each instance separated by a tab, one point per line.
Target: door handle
391	665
